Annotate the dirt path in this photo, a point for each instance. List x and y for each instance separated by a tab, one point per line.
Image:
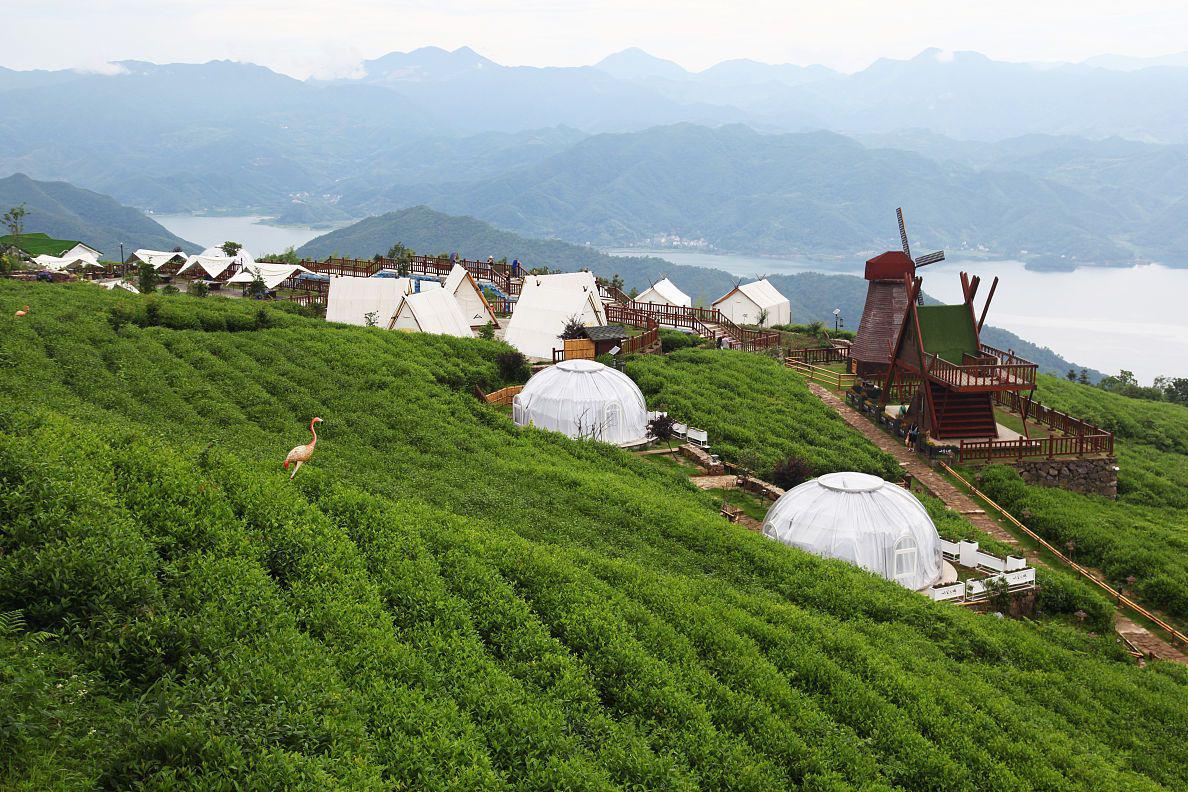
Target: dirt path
714	482
1147	642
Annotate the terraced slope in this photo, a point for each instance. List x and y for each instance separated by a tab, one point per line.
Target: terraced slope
443	601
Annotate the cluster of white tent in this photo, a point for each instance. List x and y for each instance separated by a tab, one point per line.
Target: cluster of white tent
455	307
213	263
758	302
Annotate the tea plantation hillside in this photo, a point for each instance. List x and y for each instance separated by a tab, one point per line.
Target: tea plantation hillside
440	600
1144	534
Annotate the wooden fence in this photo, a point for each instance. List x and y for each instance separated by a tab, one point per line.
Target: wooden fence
503	396
817	355
839	380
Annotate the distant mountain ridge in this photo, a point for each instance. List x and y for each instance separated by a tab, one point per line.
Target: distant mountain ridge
64	211
813	296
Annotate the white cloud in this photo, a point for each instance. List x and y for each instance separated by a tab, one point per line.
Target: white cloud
106	69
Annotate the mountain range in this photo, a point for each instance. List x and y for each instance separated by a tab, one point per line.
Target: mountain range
64	211
1058	164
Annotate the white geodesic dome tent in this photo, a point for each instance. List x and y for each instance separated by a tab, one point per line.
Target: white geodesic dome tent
862	519
583	399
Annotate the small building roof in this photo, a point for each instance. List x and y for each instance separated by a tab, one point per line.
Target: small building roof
606	333
431	311
39	244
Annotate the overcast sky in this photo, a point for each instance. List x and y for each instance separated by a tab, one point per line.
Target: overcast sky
303	37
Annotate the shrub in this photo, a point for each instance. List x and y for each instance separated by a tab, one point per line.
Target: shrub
513	366
198	288
790	471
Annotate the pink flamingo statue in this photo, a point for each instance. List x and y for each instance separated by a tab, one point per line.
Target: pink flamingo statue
302	453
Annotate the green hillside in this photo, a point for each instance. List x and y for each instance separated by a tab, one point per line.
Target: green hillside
64	211
441	600
1144	533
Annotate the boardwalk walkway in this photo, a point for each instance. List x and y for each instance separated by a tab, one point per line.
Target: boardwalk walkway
1147	642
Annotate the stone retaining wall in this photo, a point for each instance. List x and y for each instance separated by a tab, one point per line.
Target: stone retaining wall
1094	476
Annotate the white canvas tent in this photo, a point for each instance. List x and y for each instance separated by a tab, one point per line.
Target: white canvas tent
862	519
474	305
72	261
157	258
664	292
350	299
546	303
583	399
210	266
273	275
746	304
431	311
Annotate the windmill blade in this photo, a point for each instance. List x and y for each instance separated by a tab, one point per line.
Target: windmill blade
930	258
907	251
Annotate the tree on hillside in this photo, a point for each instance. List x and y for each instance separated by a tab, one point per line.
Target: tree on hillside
1083	377
147	278
1071	376
231	248
14	218
257	289
1174	389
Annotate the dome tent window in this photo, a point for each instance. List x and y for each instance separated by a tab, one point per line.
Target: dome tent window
583	399
861	519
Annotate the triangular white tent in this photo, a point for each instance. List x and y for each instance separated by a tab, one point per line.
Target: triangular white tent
273	275
350	299
474	305
431	311
210	266
664	292
746	304
546	303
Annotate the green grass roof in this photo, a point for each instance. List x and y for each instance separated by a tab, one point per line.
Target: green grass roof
38	244
948	331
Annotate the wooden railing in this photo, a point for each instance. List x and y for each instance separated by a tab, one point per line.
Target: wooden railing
981	373
706	322
839	380
818	355
1039	447
1053	419
642	342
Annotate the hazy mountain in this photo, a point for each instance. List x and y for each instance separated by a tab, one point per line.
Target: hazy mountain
1131	63
634	64
66	212
812	296
474	94
813	193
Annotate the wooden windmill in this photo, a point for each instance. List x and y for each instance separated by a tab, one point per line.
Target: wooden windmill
940	347
886	303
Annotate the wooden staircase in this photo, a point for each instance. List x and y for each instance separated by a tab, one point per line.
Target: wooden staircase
962	414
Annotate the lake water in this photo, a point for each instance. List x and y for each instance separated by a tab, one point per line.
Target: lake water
1107	318
257	237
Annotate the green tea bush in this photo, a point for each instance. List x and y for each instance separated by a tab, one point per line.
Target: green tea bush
750	403
442	600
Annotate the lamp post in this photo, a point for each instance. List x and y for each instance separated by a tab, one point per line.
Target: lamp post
837	320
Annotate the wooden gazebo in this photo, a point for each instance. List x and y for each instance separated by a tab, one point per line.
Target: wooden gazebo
939	347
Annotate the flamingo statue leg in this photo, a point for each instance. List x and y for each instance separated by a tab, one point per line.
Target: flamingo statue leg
295	469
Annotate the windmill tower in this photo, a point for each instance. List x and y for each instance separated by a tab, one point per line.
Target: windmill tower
886	304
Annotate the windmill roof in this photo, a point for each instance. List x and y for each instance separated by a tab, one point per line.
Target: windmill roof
947	331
